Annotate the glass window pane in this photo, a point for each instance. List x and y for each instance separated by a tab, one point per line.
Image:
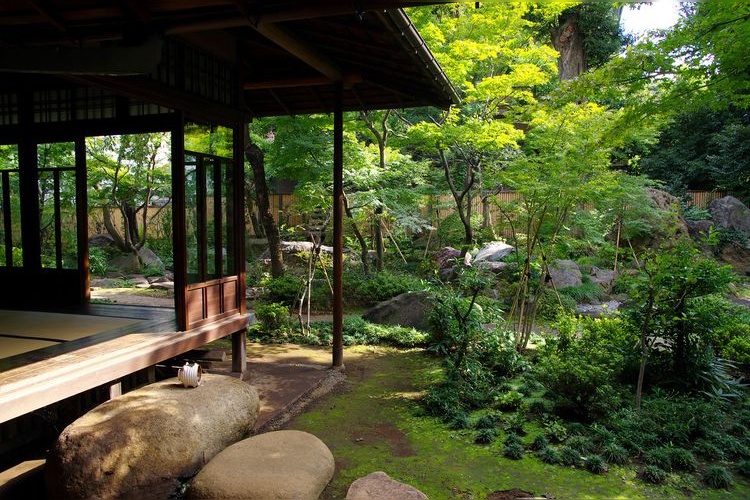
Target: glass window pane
11	248
57	205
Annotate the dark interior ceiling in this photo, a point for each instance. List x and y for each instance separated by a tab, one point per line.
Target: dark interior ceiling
289	55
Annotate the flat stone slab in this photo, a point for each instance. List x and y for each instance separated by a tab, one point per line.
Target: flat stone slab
277	465
379	486
142	444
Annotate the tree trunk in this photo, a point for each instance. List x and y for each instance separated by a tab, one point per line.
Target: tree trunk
363	251
254	156
567	39
378	237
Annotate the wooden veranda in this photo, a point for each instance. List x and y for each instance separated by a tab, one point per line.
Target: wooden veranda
72	69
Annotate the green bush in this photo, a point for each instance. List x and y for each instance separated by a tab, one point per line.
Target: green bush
615	454
708	450
595	464
659	457
743	467
550	455
585	293
460	421
379	286
682	459
283	290
274	319
451	230
569	456
549	305
513	451
486	436
581	368
488	421
718	477
581	444
358	331
540	442
509	401
98	261
653	474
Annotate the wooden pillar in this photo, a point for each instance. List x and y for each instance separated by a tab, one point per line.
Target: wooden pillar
338	231
239	339
179	238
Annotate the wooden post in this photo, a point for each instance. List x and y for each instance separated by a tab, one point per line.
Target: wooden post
338	231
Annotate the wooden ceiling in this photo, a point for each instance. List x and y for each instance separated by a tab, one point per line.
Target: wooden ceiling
289	55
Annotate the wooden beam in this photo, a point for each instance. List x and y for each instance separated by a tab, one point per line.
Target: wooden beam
308	81
115	61
300	50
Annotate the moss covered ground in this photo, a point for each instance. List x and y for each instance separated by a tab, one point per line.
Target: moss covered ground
374	424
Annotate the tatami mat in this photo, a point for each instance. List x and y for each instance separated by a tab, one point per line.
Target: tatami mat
56	326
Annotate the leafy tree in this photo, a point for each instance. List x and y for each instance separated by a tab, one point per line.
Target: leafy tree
488	55
663	294
126	173
703	150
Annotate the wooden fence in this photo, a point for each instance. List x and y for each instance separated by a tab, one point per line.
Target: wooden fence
437	209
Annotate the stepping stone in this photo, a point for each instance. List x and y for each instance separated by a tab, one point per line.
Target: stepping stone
144	443
379	486
272	466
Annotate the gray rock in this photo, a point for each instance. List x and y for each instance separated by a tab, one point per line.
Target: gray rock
730	213
103	240
699	229
140	445
565	273
737	256
276	465
125	263
503	269
149	259
603	277
379	486
446	257
408	309
494	251
609	308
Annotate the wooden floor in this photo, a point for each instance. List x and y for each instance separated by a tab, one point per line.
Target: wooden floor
138	338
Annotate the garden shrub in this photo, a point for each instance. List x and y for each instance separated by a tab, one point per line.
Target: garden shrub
718	477
581	444
549	305
488	421
708	450
460	421
615	454
486	435
284	289
682	459
508	401
369	290
358	331
580	369
659	457
585	293
515	423
274	319
540	442
98	261
442	401
595	464
743	467
569	456
451	230
550	455
653	474
513	451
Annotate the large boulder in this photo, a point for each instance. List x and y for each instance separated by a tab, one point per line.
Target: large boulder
565	273
149	259
408	309
737	256
275	465
446	259
140	445
379	486
494	251
127	263
730	213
